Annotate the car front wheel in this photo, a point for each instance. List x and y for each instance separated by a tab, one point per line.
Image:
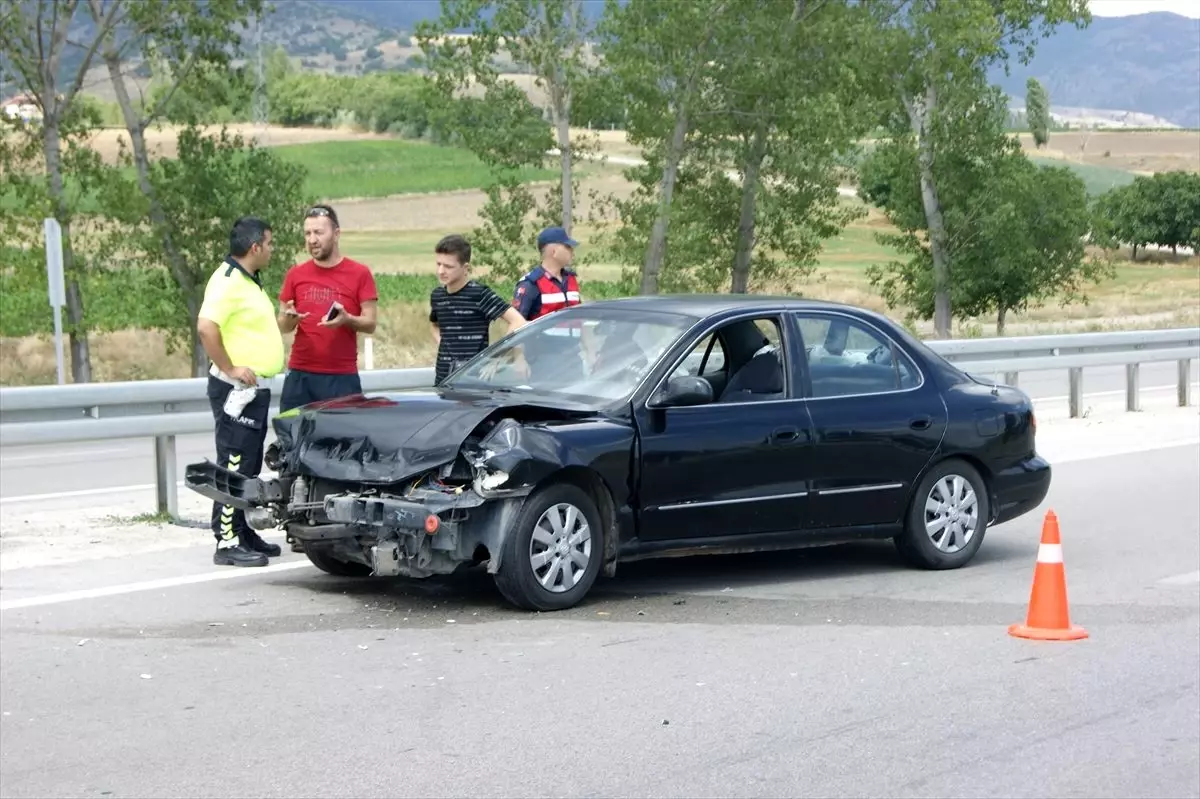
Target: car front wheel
553	553
948	518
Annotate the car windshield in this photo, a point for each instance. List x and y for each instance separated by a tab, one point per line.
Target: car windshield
581	354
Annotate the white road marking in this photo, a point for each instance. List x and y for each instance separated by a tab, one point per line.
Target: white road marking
67	456
1066	397
233	573
89	492
84	492
1191	578
1131	449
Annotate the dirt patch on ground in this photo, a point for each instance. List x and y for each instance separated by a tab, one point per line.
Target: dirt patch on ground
161	141
458	210
1136	151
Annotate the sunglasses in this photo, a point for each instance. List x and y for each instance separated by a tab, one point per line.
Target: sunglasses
315	212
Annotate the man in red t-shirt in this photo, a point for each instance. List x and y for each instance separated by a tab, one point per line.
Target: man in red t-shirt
328	300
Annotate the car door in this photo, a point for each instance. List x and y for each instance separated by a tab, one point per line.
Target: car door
732	466
876	420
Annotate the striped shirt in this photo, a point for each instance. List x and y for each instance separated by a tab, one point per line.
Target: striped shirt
463	318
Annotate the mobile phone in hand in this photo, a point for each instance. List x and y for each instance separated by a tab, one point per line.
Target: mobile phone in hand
331	313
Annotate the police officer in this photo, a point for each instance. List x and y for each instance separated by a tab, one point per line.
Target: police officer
549	287
552	285
238	328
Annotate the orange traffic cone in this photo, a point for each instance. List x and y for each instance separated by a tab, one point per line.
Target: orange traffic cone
1048	618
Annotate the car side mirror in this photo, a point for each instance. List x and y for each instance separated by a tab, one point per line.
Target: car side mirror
683	391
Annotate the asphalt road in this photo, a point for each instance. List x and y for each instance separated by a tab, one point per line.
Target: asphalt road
828	673
103	467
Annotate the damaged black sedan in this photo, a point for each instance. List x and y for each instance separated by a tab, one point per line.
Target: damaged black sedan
650	427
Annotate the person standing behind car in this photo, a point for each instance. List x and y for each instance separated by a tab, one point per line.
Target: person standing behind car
551	286
461	310
327	300
238	329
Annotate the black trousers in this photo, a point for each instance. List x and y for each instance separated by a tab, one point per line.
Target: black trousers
301	388
240	444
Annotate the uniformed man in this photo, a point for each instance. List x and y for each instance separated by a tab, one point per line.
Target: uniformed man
549	287
552	285
238	328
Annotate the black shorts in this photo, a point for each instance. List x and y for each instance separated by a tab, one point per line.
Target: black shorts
301	388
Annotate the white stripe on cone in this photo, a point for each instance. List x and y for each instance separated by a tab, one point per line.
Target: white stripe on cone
1050	553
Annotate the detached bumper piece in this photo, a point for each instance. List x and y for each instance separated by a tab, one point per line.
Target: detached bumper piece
382	512
230	488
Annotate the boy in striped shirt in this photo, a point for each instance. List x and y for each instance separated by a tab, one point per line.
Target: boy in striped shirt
461	310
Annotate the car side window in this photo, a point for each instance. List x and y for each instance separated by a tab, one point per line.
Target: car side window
758	363
697	365
848	358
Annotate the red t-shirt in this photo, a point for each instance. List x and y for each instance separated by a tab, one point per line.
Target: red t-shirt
328	350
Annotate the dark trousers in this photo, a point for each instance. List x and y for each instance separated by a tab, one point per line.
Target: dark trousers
240	444
301	388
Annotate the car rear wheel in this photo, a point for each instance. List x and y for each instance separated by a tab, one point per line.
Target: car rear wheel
326	562
553	553
948	518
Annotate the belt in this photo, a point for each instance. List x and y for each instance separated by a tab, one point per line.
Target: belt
224	378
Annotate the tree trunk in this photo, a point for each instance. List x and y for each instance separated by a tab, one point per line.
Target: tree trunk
560	104
935	222
656	249
1000	319
135	126
746	227
81	360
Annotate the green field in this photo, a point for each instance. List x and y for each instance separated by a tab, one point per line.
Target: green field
1097	179
341	169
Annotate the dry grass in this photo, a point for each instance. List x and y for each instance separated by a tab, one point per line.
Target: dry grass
162	141
1144	151
1143	296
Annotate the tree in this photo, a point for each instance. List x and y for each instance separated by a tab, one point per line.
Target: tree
549	37
663	55
938	52
213	180
791	101
192	37
1162	209
1037	112
1015	232
51	66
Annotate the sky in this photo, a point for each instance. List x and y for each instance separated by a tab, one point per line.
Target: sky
1121	8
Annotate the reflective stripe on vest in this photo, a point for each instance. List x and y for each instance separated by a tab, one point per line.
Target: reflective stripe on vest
553	296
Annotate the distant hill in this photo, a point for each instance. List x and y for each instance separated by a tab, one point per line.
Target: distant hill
1149	63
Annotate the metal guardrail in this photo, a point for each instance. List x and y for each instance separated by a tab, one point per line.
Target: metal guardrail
164	409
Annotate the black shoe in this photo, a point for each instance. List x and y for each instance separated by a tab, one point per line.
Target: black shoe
238	556
253	541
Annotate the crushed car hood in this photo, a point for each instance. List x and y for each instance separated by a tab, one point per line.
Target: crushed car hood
387	438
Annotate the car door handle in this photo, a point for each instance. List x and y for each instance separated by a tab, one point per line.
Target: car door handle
785	434
920	423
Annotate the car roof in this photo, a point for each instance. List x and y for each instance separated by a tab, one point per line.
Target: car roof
703	305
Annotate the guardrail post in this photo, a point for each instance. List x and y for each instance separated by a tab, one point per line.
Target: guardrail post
1075	378
164	476
1132	384
1185	383
1010	379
